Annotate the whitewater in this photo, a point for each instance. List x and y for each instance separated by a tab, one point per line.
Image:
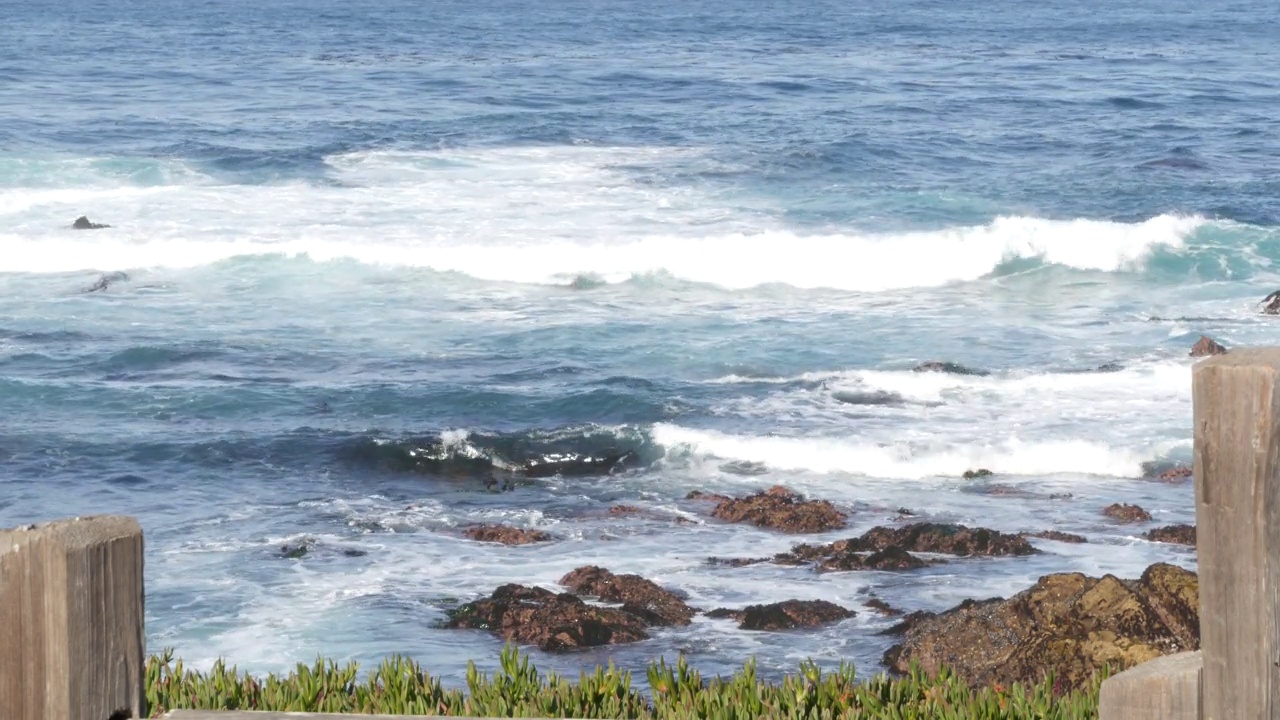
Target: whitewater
365	266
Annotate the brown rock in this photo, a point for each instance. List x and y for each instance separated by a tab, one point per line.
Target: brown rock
534	616
1178	534
1058	535
714	497
640	597
1175	474
1125	513
736	562
948	539
781	509
1068	623
882	607
623	510
785	615
1206	346
890	558
506	534
889	547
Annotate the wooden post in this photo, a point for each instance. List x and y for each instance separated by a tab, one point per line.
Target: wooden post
1167	688
1237	476
71	614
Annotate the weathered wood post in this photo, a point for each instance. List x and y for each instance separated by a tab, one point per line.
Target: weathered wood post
1237	477
71	620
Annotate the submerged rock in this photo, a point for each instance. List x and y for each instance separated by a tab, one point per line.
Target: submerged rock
785	615
949	367
1069	623
1206	346
1125	513
640	597
1058	535
779	508
308	546
83	223
106	280
553	622
1176	534
506	534
882	607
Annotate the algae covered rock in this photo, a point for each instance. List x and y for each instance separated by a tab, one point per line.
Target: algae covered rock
1069	623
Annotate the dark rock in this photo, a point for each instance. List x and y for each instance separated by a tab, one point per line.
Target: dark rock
948	539
1109	368
980	472
640	597
1272	304
781	509
1069	624
888	548
875	397
785	615
295	551
1175	474
624	510
1057	535
949	367
890	558
1177	534
105	281
906	512
307	547
83	223
506	534
713	497
1061	496
1205	347
882	607
553	622
736	561
1125	513
907	622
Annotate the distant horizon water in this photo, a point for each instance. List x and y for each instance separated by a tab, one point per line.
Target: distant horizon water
365	260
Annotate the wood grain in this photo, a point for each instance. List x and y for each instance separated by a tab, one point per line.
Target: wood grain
71	620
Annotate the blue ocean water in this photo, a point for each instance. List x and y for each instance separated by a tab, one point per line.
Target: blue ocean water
376	255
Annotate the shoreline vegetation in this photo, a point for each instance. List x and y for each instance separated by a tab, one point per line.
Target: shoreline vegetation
400	686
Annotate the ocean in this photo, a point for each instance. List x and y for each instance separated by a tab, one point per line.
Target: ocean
365	258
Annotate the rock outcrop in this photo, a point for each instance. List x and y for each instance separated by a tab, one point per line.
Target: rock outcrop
882	548
506	534
1125	513
785	615
1177	534
553	622
1058	535
777	508
949	367
640	597
83	223
1271	304
1071	624
1207	346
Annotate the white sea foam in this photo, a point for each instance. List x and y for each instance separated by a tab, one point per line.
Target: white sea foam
545	215
907	460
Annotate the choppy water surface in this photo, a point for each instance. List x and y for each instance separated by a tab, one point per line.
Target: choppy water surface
701	234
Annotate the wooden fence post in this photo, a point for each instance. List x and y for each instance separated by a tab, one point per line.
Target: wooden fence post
1237	475
71	615
1236	676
